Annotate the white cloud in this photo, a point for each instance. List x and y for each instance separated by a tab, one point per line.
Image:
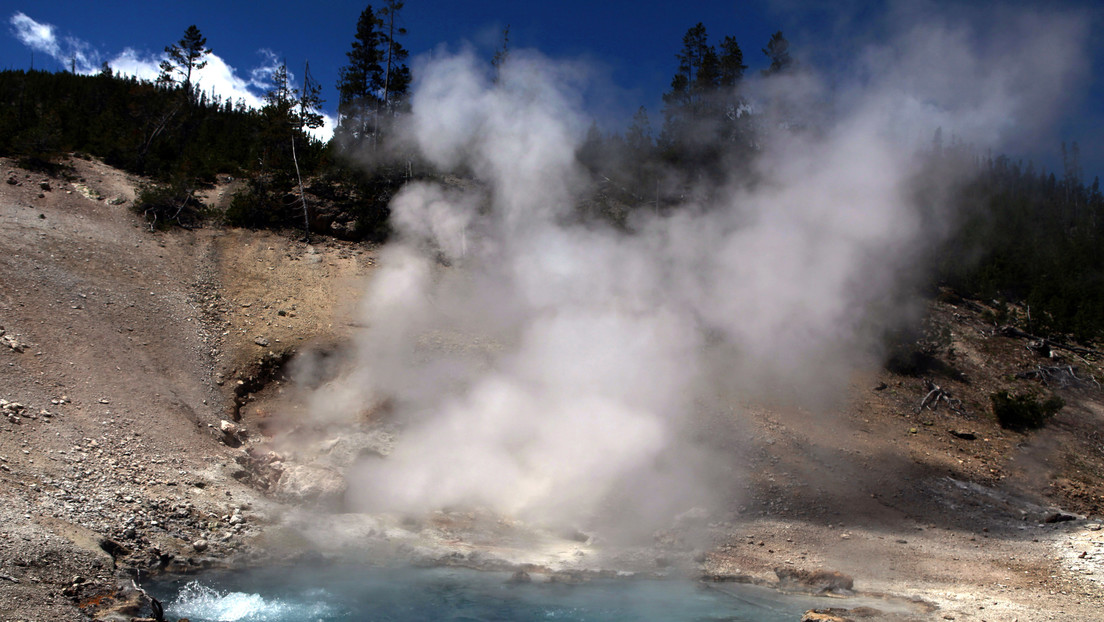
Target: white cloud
261	76
42	38
216	78
131	62
221	79
38	37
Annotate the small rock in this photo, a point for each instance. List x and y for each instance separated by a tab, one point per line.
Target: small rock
199	546
231	433
1058	517
11	342
837	614
822	615
261	341
520	577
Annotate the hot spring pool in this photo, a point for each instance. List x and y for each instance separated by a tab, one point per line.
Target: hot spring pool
419	594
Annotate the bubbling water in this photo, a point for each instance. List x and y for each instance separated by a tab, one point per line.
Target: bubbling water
196	601
348	593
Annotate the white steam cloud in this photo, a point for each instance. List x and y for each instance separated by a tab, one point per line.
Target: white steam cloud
565	372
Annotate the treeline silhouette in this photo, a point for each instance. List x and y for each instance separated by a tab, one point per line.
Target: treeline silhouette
1020	234
1028	236
129	123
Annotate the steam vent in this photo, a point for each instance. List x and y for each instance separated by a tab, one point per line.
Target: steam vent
489	311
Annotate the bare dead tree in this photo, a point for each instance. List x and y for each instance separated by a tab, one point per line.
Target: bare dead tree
937	395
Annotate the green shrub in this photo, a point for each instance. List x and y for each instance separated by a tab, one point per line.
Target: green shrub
166	205
1023	412
262	204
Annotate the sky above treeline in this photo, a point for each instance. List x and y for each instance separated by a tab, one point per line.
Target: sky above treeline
627	47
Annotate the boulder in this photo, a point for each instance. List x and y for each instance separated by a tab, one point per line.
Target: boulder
817	581
311	484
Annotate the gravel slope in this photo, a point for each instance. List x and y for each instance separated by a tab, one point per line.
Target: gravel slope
123	350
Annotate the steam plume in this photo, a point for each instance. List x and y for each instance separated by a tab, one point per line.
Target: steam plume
564	372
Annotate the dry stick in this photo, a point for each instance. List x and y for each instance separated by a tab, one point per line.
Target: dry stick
155	605
187	195
156	131
302	194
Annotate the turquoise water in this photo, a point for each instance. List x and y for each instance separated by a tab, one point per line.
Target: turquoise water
332	594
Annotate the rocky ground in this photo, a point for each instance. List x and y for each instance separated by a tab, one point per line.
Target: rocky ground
139	372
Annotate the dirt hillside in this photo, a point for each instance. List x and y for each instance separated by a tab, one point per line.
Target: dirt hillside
123	351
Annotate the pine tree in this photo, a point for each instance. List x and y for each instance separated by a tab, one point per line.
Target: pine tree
697	69
396	75
501	54
638	136
732	65
185	56
704	104
778	51
376	79
310	102
289	111
358	103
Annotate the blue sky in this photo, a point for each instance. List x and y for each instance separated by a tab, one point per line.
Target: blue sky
630	45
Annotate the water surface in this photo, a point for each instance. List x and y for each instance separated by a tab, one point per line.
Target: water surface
371	594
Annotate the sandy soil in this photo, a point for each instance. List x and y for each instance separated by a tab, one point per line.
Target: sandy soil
126	348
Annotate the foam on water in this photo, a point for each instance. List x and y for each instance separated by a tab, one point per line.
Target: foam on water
366	594
199	602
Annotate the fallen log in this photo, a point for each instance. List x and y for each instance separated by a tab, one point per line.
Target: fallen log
1035	341
1061	375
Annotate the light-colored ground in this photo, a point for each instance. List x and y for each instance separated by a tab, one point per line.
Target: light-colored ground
135	342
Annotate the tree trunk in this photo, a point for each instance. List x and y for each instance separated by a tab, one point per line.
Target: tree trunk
302	194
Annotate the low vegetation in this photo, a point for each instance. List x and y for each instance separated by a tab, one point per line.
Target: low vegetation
1023	235
1023	411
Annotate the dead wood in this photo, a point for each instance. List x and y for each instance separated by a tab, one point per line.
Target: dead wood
936	395
1036	344
1062	376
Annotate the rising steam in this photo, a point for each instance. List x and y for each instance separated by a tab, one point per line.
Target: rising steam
563	372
